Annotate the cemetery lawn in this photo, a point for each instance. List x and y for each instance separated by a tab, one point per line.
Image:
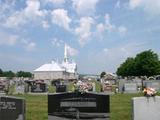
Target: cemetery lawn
120	106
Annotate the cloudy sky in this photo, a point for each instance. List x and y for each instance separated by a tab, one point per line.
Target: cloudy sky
100	34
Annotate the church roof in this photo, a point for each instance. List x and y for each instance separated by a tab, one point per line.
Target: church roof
54	66
50	67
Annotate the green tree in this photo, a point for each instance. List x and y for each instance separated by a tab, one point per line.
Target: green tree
144	64
9	74
103	74
147	63
23	74
127	68
1	72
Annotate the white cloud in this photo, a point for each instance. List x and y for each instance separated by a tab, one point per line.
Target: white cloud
56	2
61	18
28	45
100	27
100	30
85	7
84	30
57	42
106	50
128	50
117	5
31	46
71	51
108	24
6	8
8	39
134	3
11	40
33	8
45	24
30	13
110	58
15	20
149	6
122	30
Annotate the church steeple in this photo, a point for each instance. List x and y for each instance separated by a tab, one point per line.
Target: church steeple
65	53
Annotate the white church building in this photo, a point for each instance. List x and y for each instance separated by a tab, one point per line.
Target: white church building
55	70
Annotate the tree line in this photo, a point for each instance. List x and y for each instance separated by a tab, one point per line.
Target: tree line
146	63
10	74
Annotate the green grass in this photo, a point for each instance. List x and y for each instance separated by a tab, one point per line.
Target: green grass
120	105
36	107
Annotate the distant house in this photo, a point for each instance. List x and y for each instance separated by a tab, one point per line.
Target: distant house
55	70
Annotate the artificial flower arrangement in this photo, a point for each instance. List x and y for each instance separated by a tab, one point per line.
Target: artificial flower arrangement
83	86
149	92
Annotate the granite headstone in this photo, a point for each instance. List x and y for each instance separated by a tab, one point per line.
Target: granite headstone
130	88
121	83
153	84
76	105
40	87
12	108
61	88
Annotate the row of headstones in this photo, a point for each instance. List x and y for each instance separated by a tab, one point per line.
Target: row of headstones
136	86
25	87
123	86
76	106
22	87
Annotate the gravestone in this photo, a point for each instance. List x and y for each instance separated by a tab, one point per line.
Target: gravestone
77	106
121	83
38	87
107	88
146	108
3	86
153	84
130	88
20	89
138	82
61	88
94	87
12	108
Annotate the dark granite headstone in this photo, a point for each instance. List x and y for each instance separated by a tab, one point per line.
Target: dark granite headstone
38	87
2	88
3	85
61	88
12	108
76	105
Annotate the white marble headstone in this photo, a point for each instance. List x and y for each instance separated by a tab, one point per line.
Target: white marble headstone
146	108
